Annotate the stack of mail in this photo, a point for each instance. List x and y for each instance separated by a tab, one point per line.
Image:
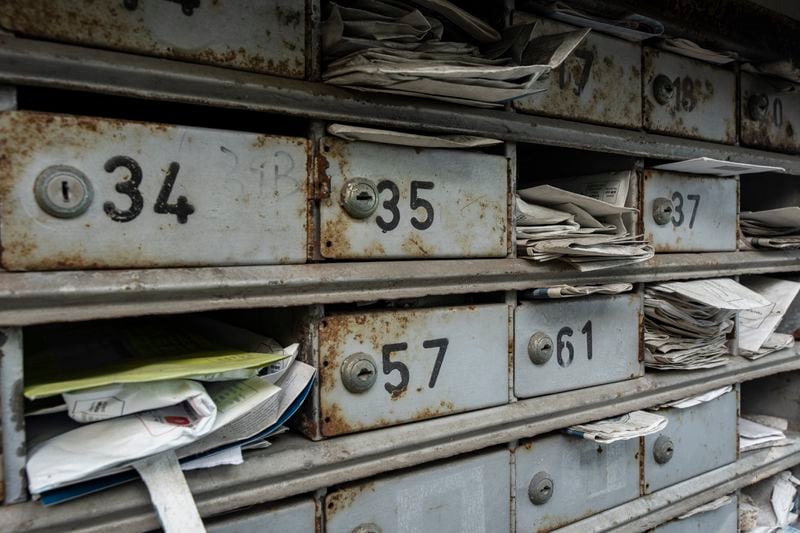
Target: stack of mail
687	323
757	335
588	233
116	393
434	49
773	228
763	432
628	426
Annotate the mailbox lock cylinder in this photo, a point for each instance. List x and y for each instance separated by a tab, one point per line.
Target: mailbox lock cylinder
662	211
663	89
367	528
663	449
359	372
359	197
541	488
758	106
540	348
63	191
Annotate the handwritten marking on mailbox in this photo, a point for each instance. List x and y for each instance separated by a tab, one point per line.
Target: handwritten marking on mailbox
561	344
390	366
416	202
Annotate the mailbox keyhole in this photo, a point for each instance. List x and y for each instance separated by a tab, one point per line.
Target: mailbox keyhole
669	449
364	374
546	347
65	191
544	491
364	196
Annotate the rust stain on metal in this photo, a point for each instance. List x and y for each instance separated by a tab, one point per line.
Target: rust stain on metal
775	131
344	498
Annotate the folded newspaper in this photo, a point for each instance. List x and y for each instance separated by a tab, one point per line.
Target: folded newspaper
569	291
755	436
434	49
773	228
360	133
687	322
583	230
757	336
625	427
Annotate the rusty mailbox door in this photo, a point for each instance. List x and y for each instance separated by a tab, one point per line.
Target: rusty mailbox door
600	82
688	98
561	479
380	368
689	213
770	118
286	517
80	192
561	345
470	495
266	36
697	439
399	202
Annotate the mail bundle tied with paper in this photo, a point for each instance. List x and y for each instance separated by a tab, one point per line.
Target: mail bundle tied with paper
435	49
585	223
103	396
687	323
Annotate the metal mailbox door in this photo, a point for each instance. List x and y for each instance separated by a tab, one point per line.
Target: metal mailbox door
297	517
688	98
380	368
259	35
80	192
697	439
561	479
398	202
722	520
769	117
689	213
601	81
570	344
464	496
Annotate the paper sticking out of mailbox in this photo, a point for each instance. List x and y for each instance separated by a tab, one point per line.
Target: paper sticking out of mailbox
625	427
716	167
713	505
67	358
772	228
755	435
687	322
697	399
582	230
399	138
757	336
434	49
569	291
688	48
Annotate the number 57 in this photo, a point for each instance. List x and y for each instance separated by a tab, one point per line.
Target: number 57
390	366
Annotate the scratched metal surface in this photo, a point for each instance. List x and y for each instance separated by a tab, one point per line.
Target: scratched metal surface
247	193
600	82
703	104
778	128
259	35
472	371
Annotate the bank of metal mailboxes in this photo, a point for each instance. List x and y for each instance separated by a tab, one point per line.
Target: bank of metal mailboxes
470	494
601	81
770	118
259	35
400	202
697	439
298	516
561	479
722	520
380	368
689	213
81	192
688	98
561	345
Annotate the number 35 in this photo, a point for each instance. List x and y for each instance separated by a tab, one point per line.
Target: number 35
415	202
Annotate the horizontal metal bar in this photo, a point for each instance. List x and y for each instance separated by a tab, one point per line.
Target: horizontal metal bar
42	297
294	465
38	63
655	509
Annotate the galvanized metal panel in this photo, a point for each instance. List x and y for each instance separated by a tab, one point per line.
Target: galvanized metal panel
431	202
587	478
465	496
234	198
722	520
702	104
293	517
600	82
260	35
703	212
428	363
703	437
769	118
593	340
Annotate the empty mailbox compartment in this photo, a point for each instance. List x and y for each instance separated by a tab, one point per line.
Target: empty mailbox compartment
688	98
83	192
769	117
599	82
266	36
689	213
297	516
567	344
725	519
561	479
470	494
397	202
697	439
